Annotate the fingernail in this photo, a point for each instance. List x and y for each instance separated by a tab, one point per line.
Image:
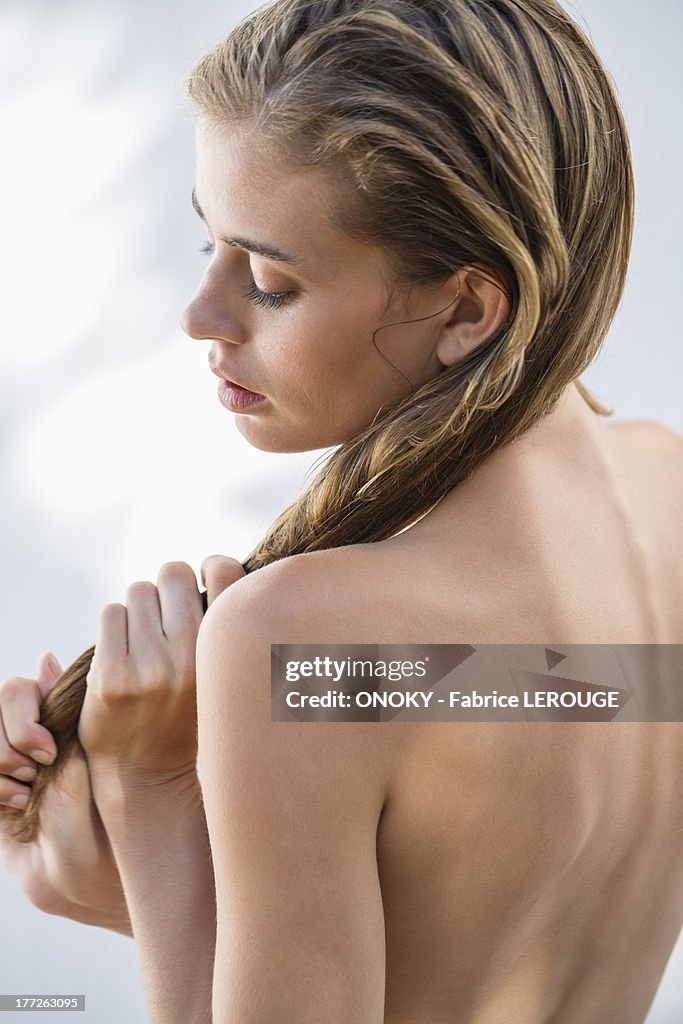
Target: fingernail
25	773
19	800
42	756
54	664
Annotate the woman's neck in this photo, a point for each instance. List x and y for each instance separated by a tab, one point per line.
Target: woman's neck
570	436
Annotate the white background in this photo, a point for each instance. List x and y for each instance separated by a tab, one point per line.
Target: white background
115	454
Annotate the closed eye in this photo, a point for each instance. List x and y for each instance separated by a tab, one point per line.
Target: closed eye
270	300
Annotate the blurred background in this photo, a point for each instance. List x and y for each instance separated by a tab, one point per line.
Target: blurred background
115	455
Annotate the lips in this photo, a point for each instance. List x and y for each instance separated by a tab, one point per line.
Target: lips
230	380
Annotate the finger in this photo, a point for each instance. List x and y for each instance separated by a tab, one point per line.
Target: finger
48	672
13	794
145	630
111	646
218	573
23	740
181	606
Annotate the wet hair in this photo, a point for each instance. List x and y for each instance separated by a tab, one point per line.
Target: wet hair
459	132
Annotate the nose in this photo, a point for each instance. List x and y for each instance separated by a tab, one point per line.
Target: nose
191	321
206	316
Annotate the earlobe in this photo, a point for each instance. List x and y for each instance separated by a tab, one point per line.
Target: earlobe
481	312
452	346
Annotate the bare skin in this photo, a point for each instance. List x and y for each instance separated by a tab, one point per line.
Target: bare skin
529	873
534	872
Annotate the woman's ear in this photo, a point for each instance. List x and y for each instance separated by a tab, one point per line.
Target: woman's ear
482	309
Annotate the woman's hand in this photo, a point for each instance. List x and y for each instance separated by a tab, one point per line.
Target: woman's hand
69	869
139	716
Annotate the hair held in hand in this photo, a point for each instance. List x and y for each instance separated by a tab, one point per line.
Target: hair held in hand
459	132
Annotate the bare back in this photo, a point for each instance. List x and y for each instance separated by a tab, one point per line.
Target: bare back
533	873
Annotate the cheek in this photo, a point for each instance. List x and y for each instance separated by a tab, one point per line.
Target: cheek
322	395
328	380
335	347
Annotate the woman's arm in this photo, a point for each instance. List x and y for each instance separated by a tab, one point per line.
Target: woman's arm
158	834
292	812
138	728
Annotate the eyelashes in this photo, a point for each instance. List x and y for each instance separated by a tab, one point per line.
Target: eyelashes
268	300
271	300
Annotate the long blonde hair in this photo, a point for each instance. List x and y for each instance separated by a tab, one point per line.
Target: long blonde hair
460	132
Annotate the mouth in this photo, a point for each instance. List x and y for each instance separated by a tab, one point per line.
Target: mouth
235	384
236	397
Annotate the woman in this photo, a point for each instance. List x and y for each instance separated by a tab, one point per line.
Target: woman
419	220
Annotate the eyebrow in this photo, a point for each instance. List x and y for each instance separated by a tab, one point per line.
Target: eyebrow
258	248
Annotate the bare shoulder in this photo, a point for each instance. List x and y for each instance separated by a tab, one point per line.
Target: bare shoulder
651	456
651	433
300	600
304	598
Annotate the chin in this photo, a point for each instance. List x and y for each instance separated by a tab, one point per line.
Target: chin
267	438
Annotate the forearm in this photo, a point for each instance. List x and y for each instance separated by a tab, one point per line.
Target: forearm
161	847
